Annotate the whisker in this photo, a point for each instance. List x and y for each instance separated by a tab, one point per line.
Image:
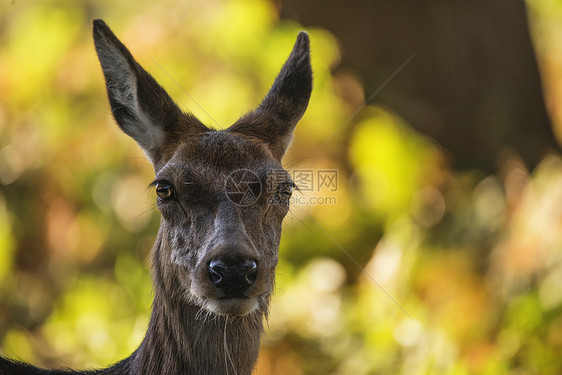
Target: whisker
201	315
226	352
151	208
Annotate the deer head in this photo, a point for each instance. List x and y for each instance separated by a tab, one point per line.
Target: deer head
215	250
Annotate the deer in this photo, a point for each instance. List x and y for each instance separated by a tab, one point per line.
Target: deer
214	258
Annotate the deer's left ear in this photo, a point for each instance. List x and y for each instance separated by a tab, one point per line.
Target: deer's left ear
275	119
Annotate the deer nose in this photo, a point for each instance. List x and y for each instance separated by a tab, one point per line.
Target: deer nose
233	276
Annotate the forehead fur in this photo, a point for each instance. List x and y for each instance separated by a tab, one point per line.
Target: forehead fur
220	152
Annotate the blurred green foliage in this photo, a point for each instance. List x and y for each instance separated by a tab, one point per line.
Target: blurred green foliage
416	268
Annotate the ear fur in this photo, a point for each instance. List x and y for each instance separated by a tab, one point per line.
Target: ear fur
276	117
140	106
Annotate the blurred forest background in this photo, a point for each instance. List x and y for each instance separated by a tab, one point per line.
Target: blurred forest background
442	253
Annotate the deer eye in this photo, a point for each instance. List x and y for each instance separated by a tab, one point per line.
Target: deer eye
164	190
286	188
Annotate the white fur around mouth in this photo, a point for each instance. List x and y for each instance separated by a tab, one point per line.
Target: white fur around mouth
232	306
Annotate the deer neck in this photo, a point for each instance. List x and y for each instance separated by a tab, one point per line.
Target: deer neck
183	339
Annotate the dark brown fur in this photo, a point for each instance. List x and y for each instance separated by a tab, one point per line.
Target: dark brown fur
195	328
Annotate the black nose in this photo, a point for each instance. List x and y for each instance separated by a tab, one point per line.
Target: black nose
233	275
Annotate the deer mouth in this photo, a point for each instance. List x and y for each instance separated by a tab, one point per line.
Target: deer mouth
236	306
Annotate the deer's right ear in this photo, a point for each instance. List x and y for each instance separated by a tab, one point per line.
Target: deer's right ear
141	107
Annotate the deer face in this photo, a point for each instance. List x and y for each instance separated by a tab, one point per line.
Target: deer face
222	194
222	248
